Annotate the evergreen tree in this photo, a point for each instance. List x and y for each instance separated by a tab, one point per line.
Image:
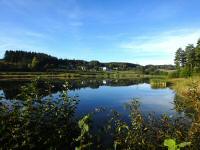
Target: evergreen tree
197	55
178	59
183	58
190	56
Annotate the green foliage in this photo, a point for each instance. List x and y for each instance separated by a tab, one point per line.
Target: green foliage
35	63
38	122
189	92
180	58
185	72
197	53
174	74
187	61
190	55
26	61
171	144
85	136
45	123
31	61
145	132
158	83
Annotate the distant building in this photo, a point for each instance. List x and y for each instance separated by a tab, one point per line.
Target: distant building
83	68
104	68
104	82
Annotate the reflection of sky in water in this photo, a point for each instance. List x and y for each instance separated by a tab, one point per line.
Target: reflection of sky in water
110	97
152	100
1	93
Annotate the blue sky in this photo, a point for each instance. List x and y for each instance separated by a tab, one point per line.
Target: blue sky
137	31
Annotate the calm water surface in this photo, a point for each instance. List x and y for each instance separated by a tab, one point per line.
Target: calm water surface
152	100
108	94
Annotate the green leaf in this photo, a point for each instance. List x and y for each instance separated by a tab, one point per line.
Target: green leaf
123	127
184	144
171	144
77	148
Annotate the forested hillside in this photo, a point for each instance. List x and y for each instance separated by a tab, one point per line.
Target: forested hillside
32	61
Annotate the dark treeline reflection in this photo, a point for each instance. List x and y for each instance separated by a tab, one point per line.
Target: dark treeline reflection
11	88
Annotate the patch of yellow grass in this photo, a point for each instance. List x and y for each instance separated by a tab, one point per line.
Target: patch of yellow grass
183	86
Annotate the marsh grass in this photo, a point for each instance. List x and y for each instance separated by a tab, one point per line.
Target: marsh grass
189	91
159	83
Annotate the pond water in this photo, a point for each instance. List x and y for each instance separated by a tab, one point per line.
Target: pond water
108	94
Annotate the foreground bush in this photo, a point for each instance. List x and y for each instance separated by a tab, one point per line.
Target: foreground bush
189	93
38	122
147	132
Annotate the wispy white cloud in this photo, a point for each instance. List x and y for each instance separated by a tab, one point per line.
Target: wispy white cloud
160	44
163	42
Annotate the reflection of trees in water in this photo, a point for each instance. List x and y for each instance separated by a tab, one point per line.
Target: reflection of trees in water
12	88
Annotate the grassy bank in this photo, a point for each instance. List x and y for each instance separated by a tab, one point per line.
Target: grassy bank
189	91
71	75
183	85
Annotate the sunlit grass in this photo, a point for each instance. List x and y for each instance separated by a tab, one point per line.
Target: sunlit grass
182	86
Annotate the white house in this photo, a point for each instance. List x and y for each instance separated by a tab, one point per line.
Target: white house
105	68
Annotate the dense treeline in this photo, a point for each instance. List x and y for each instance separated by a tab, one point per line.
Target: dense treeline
27	61
187	60
32	61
